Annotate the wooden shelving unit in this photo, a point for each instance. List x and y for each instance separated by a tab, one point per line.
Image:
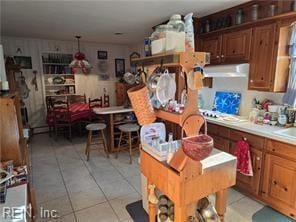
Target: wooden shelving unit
184	180
184	61
57	65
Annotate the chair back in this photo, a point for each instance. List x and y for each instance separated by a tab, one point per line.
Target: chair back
49	103
77	99
95	103
61	112
106	101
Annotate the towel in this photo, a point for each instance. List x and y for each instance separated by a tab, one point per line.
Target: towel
244	163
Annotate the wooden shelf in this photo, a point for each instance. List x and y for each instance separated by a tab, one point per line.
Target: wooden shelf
124	122
55	64
67	84
172	117
251	23
61	95
176	59
59	74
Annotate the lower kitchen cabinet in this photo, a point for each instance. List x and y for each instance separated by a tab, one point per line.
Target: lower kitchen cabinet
274	168
250	184
221	143
279	183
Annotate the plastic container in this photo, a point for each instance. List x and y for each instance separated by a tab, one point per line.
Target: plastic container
177	23
189	33
167	39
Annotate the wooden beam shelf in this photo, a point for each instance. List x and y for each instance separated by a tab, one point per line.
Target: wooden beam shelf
184	59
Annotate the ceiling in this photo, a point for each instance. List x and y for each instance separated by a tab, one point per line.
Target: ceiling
97	21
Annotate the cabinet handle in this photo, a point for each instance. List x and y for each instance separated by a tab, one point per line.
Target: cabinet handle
222	56
292	215
251	80
217	57
274	182
257	158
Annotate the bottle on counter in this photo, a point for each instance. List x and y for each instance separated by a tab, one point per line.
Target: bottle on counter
189	33
170	149
147	46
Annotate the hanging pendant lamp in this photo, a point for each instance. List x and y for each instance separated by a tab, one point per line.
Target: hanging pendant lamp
79	64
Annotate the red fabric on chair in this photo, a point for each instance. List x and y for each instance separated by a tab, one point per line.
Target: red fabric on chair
50	118
244	163
78	107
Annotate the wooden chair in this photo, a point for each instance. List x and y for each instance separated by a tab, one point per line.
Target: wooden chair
49	114
95	103
77	99
92	128
126	131
62	118
106	101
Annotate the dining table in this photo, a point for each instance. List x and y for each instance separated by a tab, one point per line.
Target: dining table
109	113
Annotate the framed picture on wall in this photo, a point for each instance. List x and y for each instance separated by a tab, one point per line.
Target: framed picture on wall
134	55
119	67
102	55
24	61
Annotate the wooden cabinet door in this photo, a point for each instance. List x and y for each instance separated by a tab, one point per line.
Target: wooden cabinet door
213	46
247	183
261	66
221	143
236	46
121	95
279	183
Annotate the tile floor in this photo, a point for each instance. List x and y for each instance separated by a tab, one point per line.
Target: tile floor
98	190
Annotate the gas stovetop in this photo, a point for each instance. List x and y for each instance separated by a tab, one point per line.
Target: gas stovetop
223	116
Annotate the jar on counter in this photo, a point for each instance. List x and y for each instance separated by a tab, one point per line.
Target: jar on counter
254	13
177	23
253	115
158	39
272	10
239	17
207	27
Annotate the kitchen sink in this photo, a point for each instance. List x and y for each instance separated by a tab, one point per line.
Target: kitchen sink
290	132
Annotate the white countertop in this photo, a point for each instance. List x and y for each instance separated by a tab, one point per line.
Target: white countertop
217	158
111	110
260	130
16	199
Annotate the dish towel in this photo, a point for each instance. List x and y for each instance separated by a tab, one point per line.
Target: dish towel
244	163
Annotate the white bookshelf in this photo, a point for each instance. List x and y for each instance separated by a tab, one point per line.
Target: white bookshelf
55	65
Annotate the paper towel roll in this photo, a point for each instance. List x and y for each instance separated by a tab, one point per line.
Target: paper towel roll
2	66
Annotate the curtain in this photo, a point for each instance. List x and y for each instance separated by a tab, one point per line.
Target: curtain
290	96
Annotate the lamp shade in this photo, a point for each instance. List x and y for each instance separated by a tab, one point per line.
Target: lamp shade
80	64
2	66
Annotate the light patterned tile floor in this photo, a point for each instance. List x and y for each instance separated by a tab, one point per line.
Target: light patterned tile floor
98	190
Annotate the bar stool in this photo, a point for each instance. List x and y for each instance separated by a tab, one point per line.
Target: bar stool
126	131
96	127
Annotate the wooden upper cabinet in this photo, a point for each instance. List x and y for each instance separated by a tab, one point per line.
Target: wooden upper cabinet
261	66
236	46
279	184
232	47
213	46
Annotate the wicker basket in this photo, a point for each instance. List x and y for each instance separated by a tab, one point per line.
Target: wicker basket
198	147
139	97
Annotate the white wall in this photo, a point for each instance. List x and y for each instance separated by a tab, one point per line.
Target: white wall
237	85
90	84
